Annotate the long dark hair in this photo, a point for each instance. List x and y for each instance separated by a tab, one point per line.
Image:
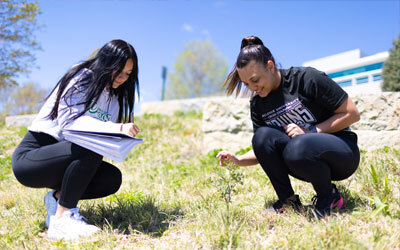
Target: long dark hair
103	68
251	48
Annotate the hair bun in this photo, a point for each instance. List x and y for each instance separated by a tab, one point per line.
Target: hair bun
251	40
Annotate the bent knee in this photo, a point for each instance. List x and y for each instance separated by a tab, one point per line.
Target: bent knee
116	181
296	150
263	135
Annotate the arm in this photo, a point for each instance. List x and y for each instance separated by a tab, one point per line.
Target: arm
247	159
87	122
345	115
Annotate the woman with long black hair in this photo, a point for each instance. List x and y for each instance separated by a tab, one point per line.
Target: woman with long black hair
97	92
301	120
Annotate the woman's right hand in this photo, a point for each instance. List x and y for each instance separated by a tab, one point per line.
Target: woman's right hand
225	156
130	129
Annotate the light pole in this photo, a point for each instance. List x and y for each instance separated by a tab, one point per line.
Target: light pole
164	77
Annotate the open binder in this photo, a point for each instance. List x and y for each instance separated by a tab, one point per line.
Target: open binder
115	146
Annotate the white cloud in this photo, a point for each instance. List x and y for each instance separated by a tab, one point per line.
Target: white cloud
188	28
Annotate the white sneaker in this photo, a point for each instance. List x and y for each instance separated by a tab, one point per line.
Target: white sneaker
70	226
51	206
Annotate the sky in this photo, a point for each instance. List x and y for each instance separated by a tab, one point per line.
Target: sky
294	31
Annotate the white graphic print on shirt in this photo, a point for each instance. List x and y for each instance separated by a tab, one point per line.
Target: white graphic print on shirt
292	112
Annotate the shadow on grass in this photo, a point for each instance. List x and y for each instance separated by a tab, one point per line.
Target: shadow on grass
132	214
352	203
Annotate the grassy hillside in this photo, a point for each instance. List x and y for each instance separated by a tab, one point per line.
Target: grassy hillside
174	197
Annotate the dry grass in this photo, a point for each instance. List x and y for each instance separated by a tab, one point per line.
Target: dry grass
169	200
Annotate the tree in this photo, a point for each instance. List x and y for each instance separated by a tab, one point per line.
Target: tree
200	70
26	99
391	69
17	41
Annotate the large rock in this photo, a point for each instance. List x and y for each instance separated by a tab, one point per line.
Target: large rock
370	139
378	111
227	115
227	124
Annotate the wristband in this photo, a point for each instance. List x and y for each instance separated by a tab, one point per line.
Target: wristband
312	129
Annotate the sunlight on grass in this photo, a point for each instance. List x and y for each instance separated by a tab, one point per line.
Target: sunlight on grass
171	198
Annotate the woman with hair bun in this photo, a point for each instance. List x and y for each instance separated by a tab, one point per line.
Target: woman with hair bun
99	92
301	120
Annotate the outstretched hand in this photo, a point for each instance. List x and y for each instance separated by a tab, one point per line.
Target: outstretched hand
225	156
130	129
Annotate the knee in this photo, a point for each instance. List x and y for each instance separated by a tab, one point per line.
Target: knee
19	169
296	151
116	181
262	136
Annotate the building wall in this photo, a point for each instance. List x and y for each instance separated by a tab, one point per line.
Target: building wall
353	70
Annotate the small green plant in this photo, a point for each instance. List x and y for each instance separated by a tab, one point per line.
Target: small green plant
227	184
381	186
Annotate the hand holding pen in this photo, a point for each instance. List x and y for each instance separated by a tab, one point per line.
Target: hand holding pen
130	128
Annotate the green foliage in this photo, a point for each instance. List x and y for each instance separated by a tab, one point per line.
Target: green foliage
200	70
17	26
26	99
243	151
190	113
391	69
5	168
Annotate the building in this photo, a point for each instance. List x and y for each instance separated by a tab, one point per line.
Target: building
353	70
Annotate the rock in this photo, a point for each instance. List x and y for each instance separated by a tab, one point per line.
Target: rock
20	120
379	112
226	141
370	140
171	106
227	115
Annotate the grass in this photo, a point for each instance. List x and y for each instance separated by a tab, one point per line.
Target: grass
172	197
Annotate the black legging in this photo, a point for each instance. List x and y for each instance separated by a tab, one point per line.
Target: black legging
42	161
313	157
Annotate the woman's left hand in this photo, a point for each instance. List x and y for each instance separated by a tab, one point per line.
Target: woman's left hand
293	130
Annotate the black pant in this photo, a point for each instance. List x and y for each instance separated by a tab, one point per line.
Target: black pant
42	161
313	157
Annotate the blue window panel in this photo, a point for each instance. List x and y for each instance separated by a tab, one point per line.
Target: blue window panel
362	80
357	70
345	83
377	77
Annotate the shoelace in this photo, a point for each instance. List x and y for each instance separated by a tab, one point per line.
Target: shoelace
75	214
314	200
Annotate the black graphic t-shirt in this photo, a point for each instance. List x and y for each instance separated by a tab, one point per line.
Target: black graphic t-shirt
305	97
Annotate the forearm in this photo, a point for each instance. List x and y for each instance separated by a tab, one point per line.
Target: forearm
343	117
248	159
335	123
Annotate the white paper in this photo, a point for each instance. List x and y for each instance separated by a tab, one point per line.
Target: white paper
115	146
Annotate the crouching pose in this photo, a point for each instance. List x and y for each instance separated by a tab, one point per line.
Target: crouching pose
97	92
301	120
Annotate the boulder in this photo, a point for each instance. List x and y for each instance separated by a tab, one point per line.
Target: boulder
20	120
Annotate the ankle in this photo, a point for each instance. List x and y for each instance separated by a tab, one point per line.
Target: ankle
292	198
60	211
56	195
